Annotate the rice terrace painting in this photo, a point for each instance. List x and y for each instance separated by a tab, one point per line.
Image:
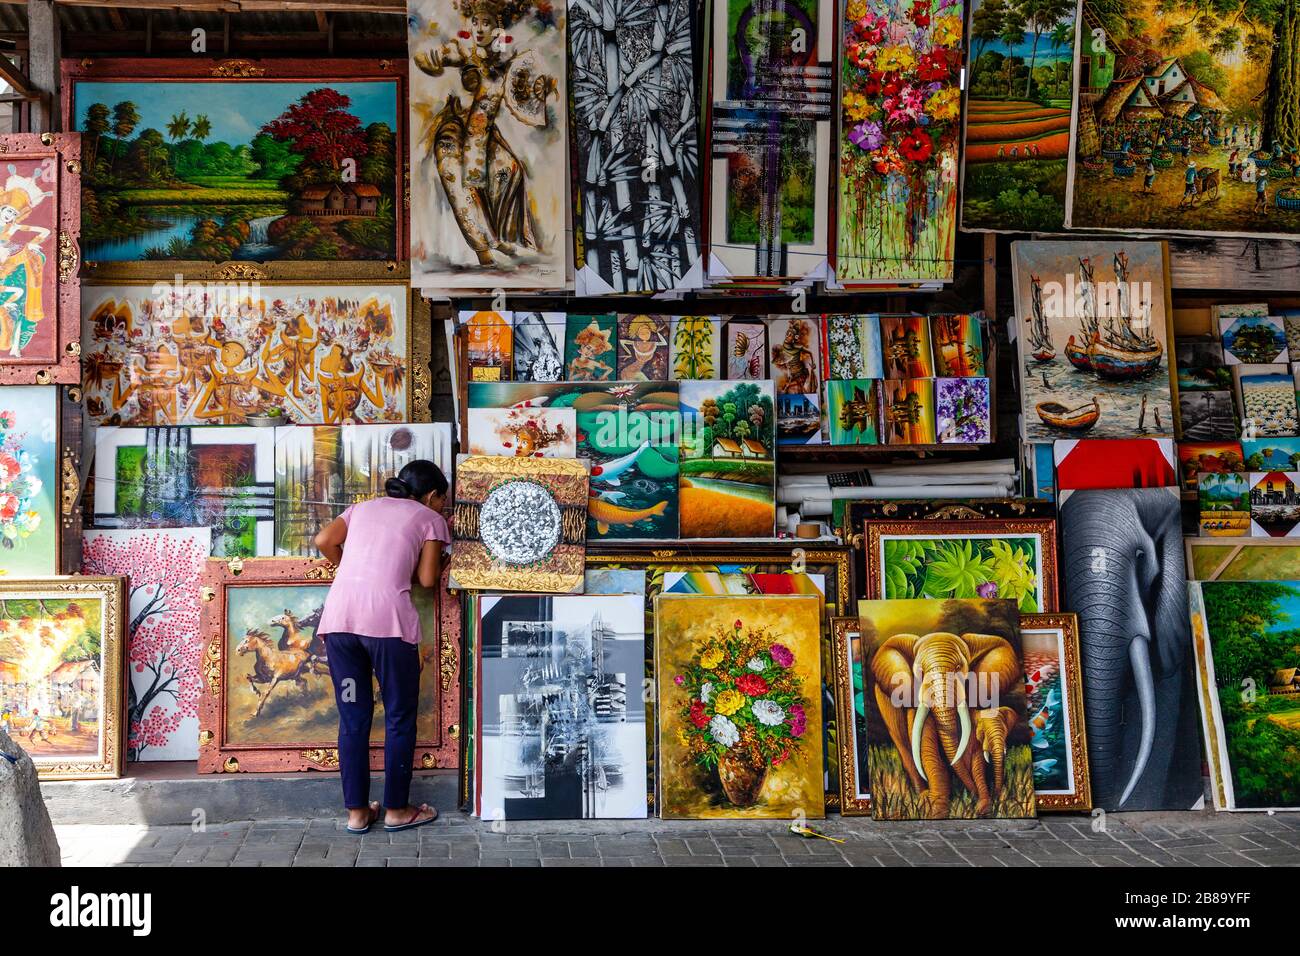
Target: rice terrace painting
1018	115
237	164
1187	118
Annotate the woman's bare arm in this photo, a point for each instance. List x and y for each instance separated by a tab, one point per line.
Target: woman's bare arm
429	569
330	540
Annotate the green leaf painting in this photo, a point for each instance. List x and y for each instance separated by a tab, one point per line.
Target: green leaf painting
966	567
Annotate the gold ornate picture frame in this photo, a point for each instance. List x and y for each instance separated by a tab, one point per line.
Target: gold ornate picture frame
269	709
66	709
1059	720
851	740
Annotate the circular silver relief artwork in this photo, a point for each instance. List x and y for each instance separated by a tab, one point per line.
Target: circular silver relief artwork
519	522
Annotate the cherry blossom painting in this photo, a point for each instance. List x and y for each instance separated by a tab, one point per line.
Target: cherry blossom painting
164	644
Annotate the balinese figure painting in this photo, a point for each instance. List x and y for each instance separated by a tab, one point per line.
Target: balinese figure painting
738	685
218	478
320	471
900	103
213	354
795	356
728	466
488	121
61	673
1186	119
29	480
591	348
696	351
643	348
636	154
1094	339
561	707
771	144
40	221
287	162
947	731
164	649
1017	123
526	432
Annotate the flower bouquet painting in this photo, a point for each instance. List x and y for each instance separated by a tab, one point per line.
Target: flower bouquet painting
740	706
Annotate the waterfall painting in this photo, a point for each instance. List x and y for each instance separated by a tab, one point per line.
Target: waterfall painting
636	160
488	125
219	160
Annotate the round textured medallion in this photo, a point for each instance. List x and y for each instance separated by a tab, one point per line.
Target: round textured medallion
519	522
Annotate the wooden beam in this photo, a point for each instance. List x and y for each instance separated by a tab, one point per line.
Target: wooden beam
44	33
16	78
991	275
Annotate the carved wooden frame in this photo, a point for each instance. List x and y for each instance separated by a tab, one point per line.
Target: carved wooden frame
111	591
843	629
216	756
198	70
63	365
1068	625
419	332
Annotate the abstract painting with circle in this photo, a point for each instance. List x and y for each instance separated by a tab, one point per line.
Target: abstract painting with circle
520	524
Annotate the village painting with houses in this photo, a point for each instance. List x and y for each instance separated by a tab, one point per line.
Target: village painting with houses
234	170
1187	118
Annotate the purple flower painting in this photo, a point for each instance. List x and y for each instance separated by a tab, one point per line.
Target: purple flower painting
962	410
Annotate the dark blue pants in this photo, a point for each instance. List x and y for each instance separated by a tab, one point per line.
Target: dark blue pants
353	660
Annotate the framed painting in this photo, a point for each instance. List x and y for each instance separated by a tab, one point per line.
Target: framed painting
696	351
529	723
1266	400
905	345
32	480
851	344
908	412
1274	504
1095	339
1254	339
216	352
321	469
539	346
643	348
164	647
188	477
1207	415
1012	559
61	672
488	344
638	225
488	197
795	355
41	233
853	411
899	137
746	349
738	679
1054	706
1223	503
273	161
1201	365
963	411
1271	454
1016	128
851	717
519	524
751	569
259	618
957	345
591	348
728	460
1184	130
1245	559
1114	463
1196	458
930	665
523	432
1248	678
771	115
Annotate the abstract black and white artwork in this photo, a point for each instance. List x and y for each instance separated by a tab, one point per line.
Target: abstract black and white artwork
563	732
636	133
539	346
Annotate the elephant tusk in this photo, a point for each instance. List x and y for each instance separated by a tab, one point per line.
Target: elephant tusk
1139	654
963	714
918	725
988	758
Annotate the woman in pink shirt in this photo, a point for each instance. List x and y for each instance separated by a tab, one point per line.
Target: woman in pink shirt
382	548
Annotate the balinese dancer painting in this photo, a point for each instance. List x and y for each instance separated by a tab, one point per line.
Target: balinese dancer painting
901	105
636	189
487	144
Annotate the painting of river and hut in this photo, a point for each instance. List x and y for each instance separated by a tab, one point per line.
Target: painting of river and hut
252	166
1094	339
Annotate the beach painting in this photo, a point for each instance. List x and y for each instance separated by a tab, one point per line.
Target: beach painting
728	453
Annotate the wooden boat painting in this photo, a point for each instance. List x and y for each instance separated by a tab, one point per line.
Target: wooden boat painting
1107	302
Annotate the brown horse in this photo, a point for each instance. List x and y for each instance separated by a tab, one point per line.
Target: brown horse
294	636
273	665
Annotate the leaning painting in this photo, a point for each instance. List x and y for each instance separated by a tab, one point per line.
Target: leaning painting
946	724
738	684
900	103
207	160
29	480
1094	339
487	121
728	454
1187	118
61	673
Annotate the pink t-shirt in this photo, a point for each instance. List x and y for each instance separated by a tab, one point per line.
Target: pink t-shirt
371	593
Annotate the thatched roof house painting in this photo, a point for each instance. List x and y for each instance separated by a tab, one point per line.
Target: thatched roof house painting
1165	90
1285	681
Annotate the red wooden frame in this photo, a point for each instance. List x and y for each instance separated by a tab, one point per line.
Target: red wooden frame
61	363
440	653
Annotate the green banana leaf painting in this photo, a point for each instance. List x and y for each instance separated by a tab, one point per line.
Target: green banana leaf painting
970	567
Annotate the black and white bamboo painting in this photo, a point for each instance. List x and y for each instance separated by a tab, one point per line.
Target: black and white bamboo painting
563	715
636	136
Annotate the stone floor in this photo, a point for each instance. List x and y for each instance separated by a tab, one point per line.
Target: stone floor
1146	839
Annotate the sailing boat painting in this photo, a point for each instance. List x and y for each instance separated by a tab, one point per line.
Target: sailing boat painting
1095	339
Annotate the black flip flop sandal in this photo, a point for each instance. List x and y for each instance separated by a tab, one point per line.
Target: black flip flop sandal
416	822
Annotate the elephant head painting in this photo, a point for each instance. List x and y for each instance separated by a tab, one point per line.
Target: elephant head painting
947	698
1124	577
